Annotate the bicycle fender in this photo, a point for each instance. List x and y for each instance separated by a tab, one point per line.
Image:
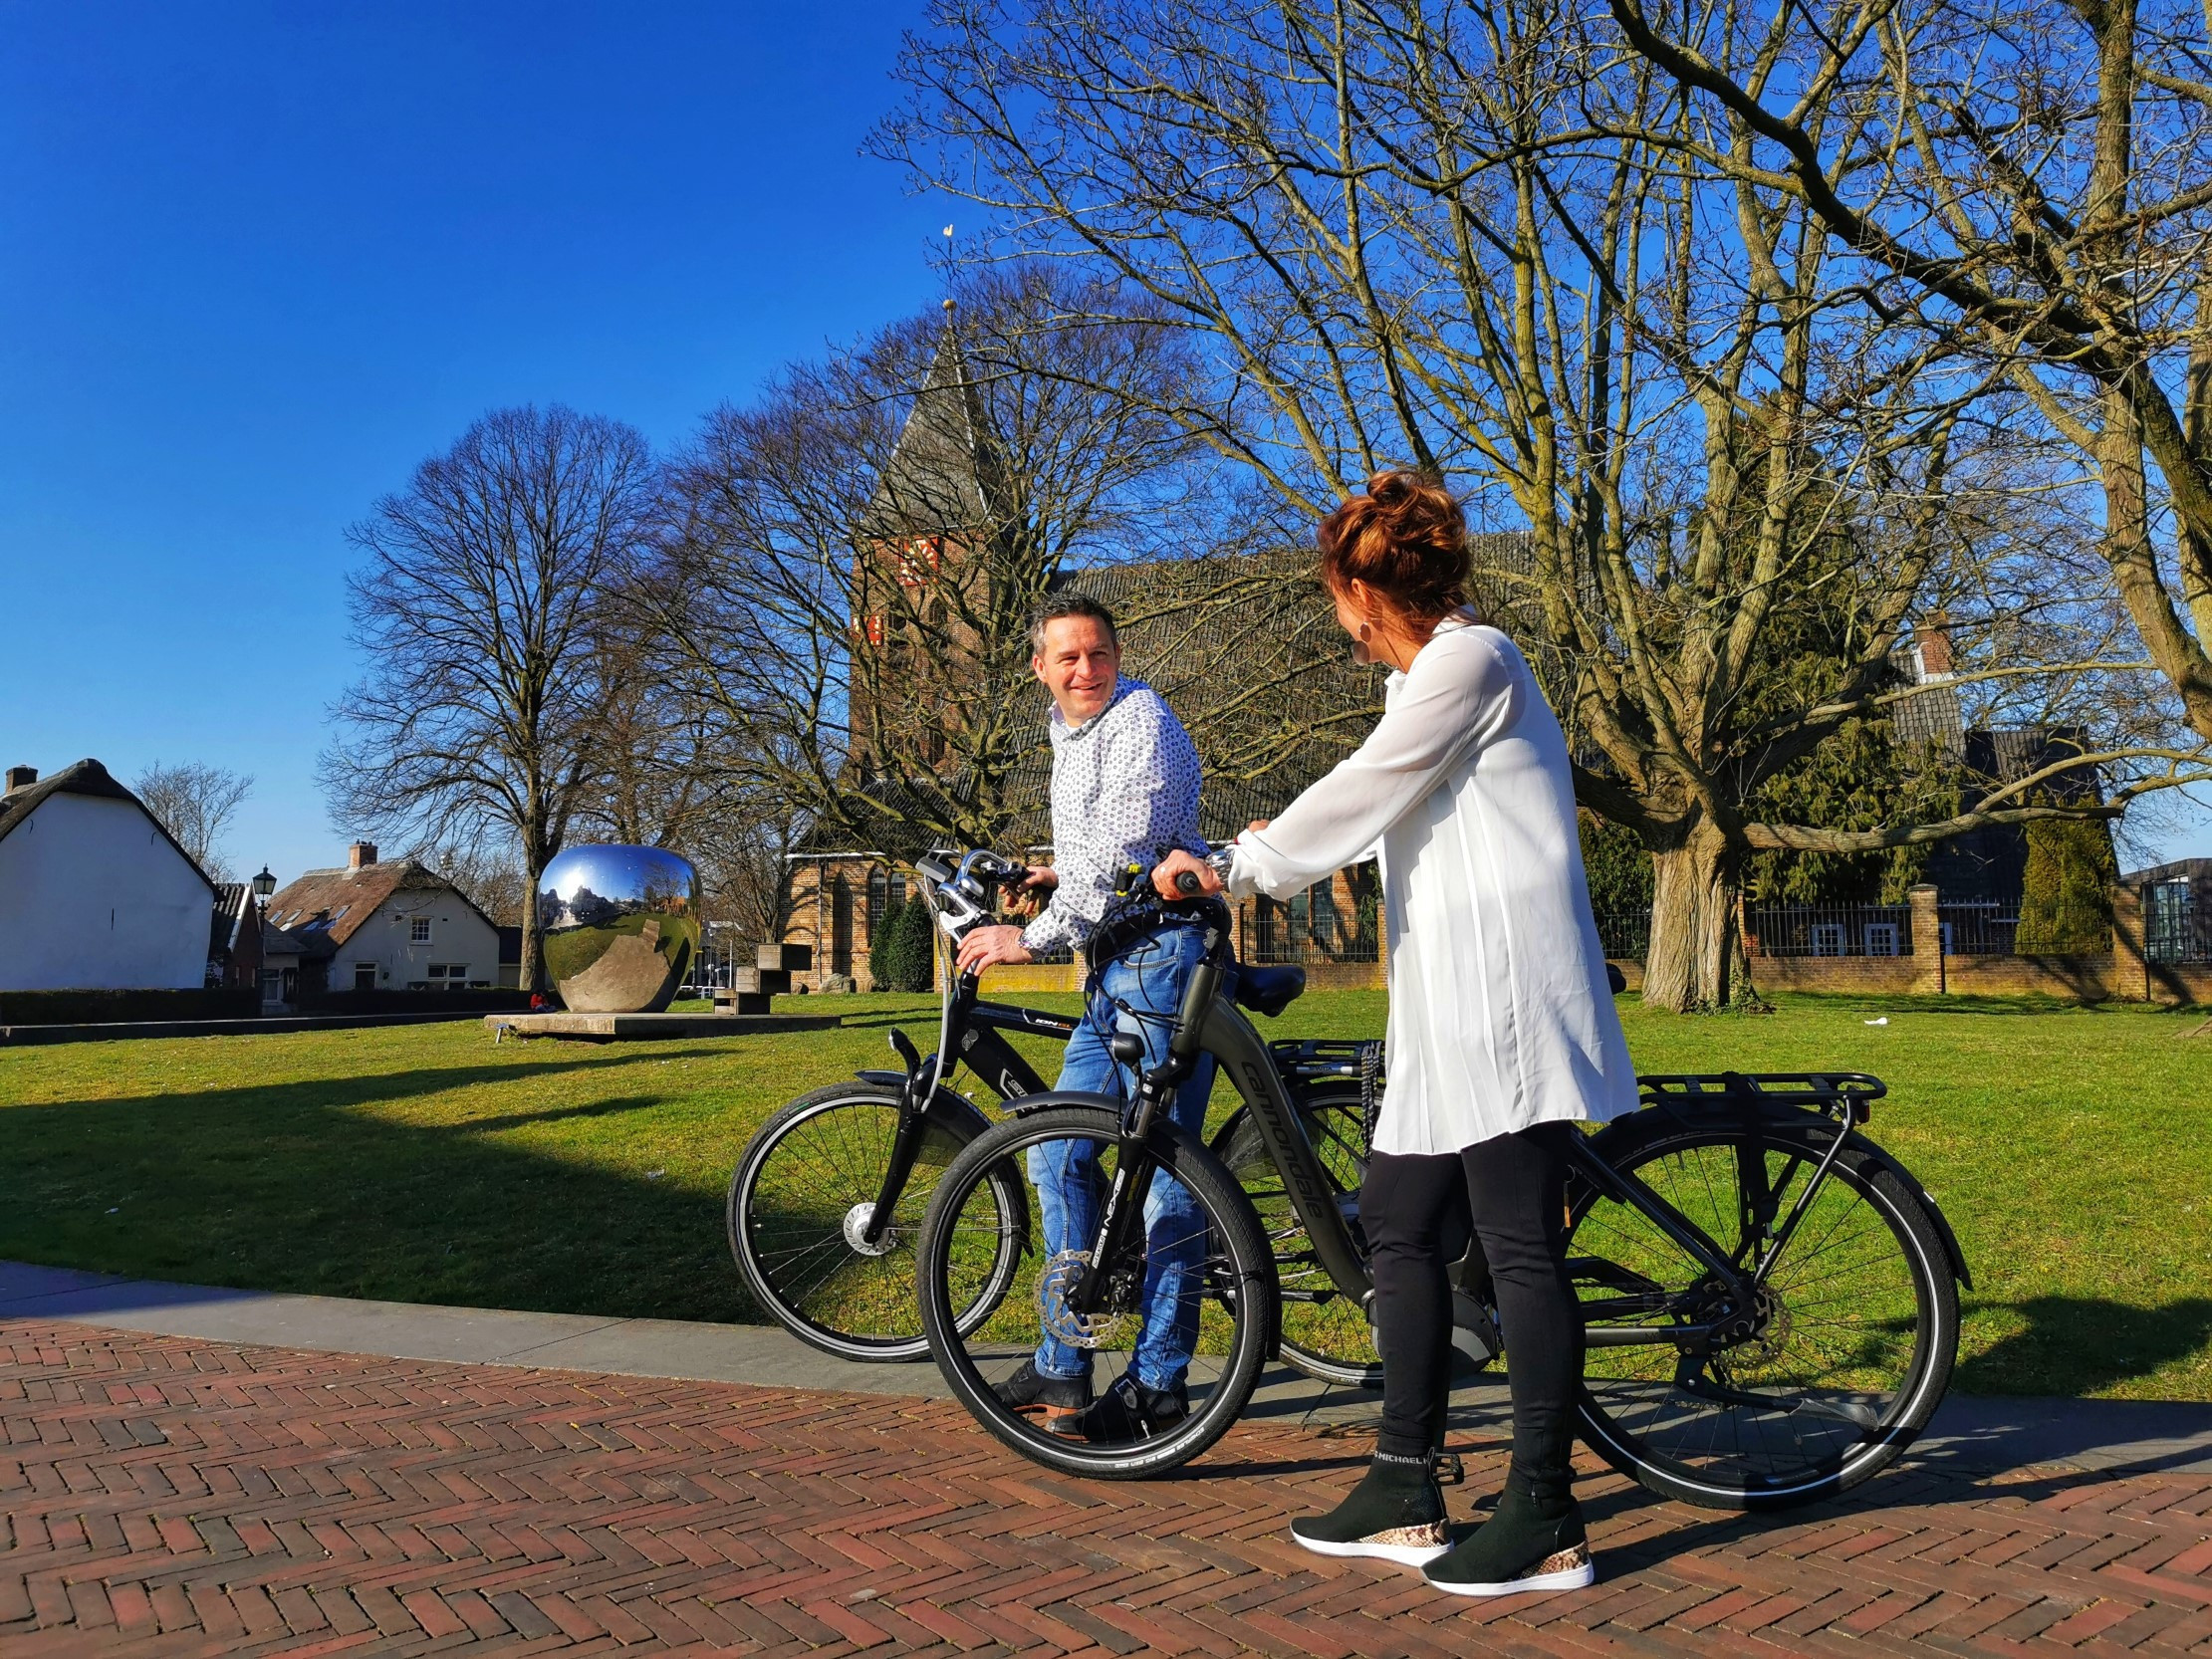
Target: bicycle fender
1631	1132
1911	1183
959	1115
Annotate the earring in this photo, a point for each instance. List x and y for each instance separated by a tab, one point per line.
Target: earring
1360	654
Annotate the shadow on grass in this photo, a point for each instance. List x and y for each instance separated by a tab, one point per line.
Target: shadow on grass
293	1186
2080	1345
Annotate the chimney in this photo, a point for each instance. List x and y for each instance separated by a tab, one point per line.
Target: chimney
1932	638
21	777
360	855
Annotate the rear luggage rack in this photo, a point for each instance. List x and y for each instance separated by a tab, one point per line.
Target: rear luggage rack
1855	1090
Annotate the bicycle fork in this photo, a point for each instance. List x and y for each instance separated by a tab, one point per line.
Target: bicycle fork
1122	1215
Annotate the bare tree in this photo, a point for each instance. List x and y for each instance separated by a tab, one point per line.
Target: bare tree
194	803
482	606
487	872
2042	205
853	558
1478	240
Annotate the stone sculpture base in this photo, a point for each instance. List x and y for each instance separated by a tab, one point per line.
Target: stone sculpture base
636	1028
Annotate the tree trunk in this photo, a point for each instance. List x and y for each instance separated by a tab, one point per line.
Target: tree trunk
532	973
1695	956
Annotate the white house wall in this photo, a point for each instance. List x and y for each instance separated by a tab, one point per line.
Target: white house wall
93	898
457	936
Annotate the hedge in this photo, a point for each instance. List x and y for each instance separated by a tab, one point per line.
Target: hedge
108	1007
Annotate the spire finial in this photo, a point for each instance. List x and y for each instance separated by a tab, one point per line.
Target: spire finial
949	304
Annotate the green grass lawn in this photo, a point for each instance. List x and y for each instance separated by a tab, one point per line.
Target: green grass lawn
2068	1147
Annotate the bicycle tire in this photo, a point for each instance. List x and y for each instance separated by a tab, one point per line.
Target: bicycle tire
1238	1258
1729	1478
880	1321
1335	1342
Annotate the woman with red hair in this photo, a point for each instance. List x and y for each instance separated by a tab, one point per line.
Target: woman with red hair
1502	1030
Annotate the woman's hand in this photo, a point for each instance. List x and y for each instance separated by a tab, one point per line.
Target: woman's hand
989	945
1259	824
1041	878
1176	863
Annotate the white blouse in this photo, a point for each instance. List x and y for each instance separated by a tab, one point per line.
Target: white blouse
1500	1013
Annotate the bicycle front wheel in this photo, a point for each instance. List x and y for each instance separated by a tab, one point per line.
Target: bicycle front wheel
798	1203
1196	1295
1831	1372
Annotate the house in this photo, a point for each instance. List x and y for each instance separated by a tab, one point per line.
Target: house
95	894
234	936
2177	909
295	966
372	926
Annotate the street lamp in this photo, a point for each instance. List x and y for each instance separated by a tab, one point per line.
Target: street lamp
263	885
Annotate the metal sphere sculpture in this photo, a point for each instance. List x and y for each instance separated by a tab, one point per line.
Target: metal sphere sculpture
621	926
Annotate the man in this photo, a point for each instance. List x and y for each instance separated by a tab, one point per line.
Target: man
1124	791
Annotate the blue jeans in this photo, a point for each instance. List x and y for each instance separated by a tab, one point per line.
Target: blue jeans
1150	974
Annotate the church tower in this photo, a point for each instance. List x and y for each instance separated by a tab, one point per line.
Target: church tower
941	515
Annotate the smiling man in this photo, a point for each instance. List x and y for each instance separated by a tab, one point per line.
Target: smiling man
1124	791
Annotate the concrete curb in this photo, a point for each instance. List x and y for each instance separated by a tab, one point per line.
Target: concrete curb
1970	1433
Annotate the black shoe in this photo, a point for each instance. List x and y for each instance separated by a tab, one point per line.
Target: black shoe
1128	1411
1058	1403
1396	1513
1518	1550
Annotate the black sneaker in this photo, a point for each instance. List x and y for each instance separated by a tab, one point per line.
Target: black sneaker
1517	1550
1394	1514
1058	1403
1128	1411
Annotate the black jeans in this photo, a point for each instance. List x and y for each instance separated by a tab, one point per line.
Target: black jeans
1416	1212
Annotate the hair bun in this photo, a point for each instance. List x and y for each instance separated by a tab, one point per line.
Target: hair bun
1405	538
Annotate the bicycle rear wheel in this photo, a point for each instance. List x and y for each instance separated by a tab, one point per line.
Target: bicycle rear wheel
1207	1269
1326	1333
799	1199
1833	1371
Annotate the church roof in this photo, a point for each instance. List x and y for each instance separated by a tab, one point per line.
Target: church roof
946	474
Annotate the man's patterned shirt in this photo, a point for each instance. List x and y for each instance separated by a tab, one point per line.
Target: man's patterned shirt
1125	792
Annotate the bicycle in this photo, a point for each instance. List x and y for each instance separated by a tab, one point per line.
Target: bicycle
827	1198
1770	1299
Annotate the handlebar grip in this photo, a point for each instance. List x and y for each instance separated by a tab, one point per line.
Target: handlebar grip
1188	884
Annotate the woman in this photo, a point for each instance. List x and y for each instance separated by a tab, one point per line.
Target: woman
1502	1030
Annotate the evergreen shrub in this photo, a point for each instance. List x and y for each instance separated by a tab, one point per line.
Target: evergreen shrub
909	949
880	930
2065	906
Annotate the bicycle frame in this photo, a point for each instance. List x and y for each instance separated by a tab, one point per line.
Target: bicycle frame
972	1032
1225	1033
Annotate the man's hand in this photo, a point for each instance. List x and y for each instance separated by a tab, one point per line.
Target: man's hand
989	945
1178	861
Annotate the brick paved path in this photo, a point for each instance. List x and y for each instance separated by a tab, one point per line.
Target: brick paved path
167	1496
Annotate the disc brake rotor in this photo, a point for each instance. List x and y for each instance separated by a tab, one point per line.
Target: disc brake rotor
1107	1329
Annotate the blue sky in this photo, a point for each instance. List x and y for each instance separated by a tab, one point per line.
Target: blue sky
257	261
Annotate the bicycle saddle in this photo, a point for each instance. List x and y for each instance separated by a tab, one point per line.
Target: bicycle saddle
1269	991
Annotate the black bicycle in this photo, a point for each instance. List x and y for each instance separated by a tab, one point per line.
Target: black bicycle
1771	1300
826	1200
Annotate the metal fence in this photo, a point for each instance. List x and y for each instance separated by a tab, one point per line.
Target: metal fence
1625	935
1311	927
1978	927
1827	929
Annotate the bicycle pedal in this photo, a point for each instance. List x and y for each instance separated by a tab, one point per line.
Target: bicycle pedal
1448	1469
